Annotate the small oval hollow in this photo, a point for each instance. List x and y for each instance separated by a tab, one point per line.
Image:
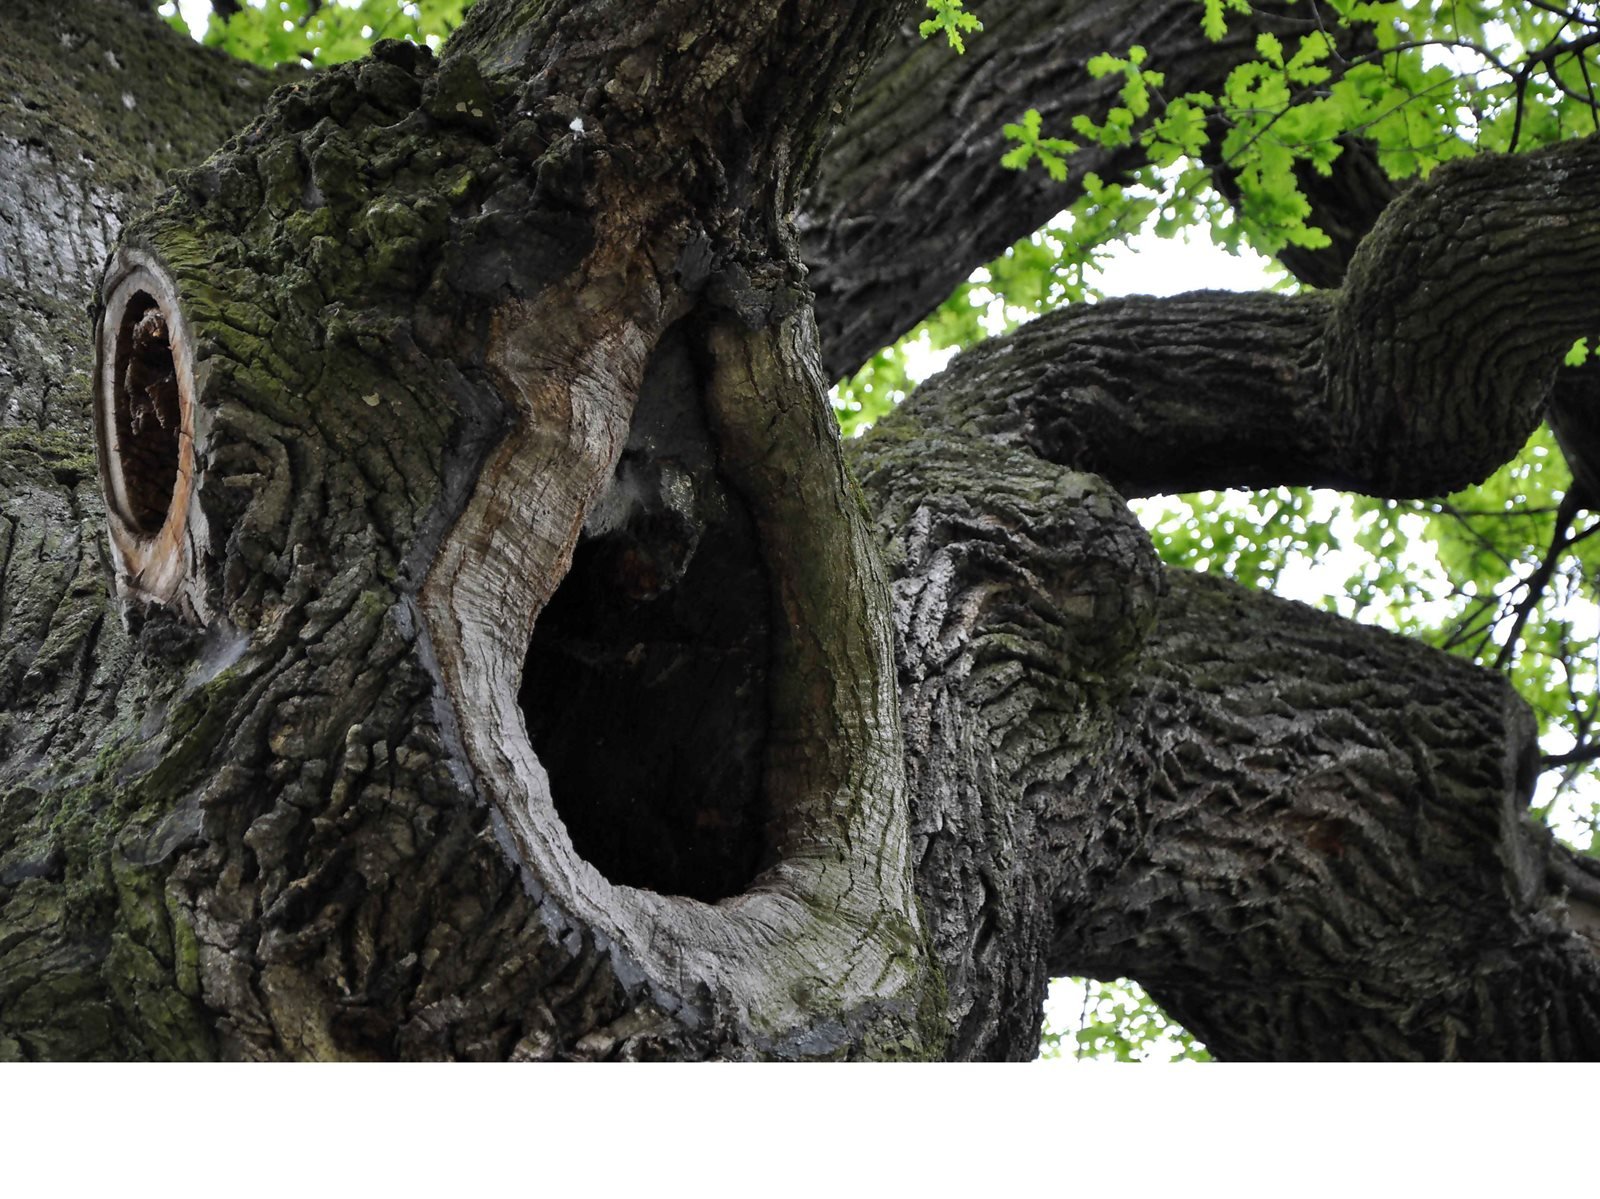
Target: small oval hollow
147	416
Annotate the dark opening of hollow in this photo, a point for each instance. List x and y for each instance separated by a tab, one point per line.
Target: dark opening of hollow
645	685
148	415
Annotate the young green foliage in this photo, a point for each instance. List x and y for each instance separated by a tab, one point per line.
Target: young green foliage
1215	22
951	19
1440	81
1119	1022
1050	151
318	33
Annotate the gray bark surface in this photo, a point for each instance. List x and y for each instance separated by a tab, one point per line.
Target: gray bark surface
1297	780
1426	371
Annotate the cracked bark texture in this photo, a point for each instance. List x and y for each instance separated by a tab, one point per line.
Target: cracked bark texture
887	247
288	833
530	323
1277	755
1296	781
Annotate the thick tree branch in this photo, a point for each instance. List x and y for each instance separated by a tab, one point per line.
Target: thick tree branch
1306	835
1022	592
912	196
1423	374
1333	858
1332	813
913	199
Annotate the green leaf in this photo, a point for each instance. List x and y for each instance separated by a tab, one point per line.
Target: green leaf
1050	151
1215	23
950	19
1102	65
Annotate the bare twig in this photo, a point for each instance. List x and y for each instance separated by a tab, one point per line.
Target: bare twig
1559	541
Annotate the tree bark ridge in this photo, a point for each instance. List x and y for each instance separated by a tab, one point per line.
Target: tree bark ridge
913	197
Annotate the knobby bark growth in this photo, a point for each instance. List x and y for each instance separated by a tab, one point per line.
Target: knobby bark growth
491	655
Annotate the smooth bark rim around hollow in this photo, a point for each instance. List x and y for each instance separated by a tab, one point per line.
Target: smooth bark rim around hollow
152	565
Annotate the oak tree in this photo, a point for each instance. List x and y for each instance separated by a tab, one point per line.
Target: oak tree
439	617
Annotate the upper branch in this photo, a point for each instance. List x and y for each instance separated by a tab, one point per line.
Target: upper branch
913	197
1427	371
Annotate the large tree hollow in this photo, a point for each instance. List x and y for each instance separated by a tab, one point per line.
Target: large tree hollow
645	684
147	416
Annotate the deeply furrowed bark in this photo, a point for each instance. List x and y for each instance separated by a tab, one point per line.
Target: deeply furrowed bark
87	122
1204	407
1291	782
914	197
1308	837
1297	781
420	301
1022	594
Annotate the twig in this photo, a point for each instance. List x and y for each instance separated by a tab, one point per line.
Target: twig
1540	578
1573	757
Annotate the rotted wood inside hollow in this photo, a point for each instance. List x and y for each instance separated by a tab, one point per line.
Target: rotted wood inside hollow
145	431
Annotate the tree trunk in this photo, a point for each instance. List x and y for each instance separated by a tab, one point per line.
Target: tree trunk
439	621
362	380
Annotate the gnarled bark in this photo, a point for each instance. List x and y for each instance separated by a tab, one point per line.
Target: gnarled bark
417	304
1334	860
1319	846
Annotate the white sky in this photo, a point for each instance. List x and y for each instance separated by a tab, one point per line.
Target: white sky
195	13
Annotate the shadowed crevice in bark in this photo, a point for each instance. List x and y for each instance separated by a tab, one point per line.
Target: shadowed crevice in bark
146	416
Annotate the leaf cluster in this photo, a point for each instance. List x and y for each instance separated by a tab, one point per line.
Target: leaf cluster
321	33
1421	82
950	18
1120	1022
